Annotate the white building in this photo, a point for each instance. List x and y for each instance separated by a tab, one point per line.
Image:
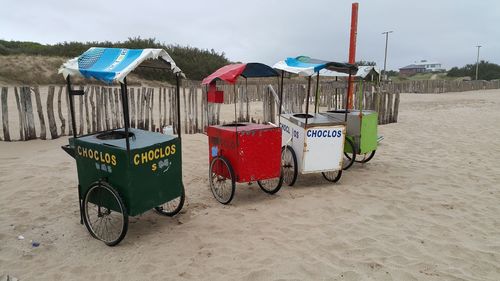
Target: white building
430	66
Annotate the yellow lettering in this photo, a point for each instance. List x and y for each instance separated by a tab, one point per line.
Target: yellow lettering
162	154
91	154
136	159
144	157
100	156
167	150
79	150
153	167
157	153
84	152
173	148
107	157
96	155
113	160
151	155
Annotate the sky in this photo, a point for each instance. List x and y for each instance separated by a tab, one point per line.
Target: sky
271	30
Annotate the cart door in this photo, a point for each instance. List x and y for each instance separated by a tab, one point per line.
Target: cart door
324	149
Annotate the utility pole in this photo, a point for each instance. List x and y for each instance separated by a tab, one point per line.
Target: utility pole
477	61
385	57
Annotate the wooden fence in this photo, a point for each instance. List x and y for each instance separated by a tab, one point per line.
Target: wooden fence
439	86
152	108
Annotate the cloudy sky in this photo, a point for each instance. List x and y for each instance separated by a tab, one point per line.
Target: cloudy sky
270	30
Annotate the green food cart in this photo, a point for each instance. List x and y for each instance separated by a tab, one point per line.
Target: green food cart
123	172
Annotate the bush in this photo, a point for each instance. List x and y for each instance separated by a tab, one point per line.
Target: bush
487	71
196	63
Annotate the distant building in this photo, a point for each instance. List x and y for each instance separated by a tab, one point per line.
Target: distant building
421	67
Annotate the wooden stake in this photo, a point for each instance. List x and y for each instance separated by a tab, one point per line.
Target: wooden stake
39	109
5	114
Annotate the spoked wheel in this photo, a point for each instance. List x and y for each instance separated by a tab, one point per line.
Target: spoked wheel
332	176
366	157
349	157
172	207
105	214
271	186
289	165
222	182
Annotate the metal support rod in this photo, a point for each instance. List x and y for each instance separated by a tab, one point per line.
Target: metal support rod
235	101
235	117
207	88
281	97
347	100
126	118
352	46
178	94
477	61
336	92
307	97
71	106
317	94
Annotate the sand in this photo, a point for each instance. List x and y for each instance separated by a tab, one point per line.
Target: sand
425	208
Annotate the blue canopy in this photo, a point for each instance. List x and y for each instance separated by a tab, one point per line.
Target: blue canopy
114	64
307	66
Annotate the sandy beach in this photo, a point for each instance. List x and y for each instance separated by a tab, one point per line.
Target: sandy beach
427	207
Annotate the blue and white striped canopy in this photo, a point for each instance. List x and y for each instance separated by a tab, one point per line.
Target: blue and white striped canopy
114	64
306	66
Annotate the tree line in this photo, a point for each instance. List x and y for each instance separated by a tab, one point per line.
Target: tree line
196	63
486	71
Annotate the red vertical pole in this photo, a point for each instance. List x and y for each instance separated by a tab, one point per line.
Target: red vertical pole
352	51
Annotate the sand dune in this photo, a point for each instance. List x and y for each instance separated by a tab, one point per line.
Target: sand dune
426	208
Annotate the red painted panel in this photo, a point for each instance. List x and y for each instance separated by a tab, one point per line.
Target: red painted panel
254	150
215	96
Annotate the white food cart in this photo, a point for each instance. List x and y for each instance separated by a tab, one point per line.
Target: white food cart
312	142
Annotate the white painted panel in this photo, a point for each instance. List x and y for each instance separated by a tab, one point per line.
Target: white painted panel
324	149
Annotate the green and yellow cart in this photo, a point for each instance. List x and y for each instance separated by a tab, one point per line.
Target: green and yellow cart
123	172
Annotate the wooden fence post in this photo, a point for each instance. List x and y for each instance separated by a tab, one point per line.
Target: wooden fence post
50	113
80	100
39	109
27	107
59	111
87	117
132	107
396	109
21	115
5	114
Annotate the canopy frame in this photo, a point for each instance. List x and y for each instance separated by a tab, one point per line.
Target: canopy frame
148	63
314	67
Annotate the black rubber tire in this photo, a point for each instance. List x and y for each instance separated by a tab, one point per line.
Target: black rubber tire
364	160
105	187
331	178
350	158
172	212
289	179
225	162
275	188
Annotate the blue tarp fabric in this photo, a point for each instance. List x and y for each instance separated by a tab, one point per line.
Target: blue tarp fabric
113	64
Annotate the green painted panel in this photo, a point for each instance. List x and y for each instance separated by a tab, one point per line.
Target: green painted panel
368	139
147	177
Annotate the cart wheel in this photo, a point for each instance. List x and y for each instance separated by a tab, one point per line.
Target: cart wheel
172	207
349	158
333	176
271	186
222	190
289	165
366	157
104	213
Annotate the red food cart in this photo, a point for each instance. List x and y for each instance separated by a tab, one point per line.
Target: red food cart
241	151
